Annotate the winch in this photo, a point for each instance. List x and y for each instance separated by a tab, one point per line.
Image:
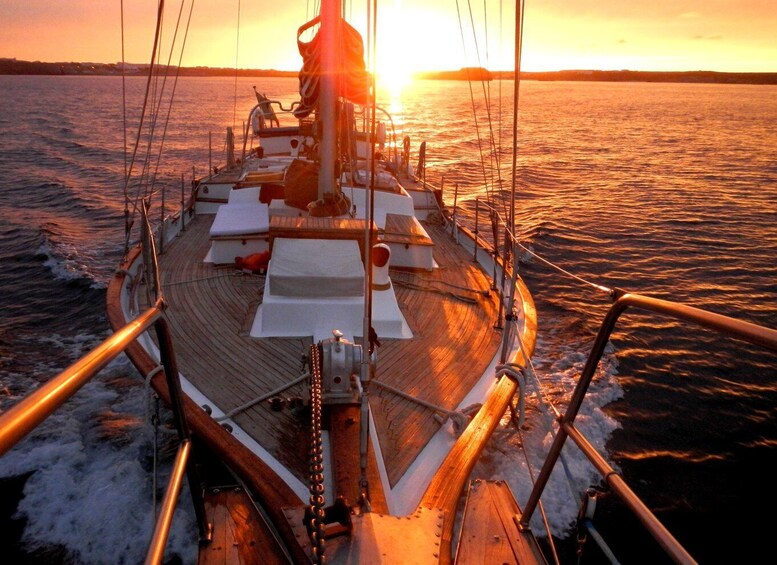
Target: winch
340	365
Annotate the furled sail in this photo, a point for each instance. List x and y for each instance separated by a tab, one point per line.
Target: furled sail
352	79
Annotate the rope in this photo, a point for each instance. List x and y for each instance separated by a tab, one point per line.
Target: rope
597	537
459	418
262	398
427	288
508	369
413	286
238	274
149	392
599	287
151	396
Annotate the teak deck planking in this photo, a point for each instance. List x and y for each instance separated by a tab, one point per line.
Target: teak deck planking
490	531
211	309
239	532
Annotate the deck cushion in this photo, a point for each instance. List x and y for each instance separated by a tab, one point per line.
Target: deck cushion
240	219
316	267
247	195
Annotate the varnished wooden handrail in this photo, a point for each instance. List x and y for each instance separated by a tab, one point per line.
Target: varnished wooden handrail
448	482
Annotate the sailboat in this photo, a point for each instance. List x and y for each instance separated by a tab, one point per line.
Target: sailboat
336	350
339	351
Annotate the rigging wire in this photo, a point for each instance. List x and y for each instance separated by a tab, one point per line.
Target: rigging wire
516	98
494	155
237	54
175	84
154	115
602	288
124	121
609	291
160	11
147	180
145	176
472	101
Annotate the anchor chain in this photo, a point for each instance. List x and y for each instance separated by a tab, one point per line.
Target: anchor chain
314	513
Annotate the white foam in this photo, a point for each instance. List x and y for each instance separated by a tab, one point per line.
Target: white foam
561	497
91	487
68	263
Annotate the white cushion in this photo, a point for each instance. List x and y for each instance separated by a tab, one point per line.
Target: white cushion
240	219
249	195
316	267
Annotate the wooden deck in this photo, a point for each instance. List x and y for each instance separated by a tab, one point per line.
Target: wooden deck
211	309
403	229
317	228
490	532
239	532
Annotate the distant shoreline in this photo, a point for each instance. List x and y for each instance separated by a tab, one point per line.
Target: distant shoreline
18	67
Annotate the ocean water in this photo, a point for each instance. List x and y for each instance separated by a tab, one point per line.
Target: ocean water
664	189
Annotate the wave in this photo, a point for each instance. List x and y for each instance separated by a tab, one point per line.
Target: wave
557	367
95	453
68	263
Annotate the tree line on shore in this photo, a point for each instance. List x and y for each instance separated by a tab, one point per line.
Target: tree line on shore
18	67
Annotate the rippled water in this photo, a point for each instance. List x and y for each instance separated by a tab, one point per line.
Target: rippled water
665	189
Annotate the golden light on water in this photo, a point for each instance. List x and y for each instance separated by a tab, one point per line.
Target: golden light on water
694	457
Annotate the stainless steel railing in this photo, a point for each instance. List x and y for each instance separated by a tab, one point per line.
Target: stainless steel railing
22	418
31	411
25	416
725	325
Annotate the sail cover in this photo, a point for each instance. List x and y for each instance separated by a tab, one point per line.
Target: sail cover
353	81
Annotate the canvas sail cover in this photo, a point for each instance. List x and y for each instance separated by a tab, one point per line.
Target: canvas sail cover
353	81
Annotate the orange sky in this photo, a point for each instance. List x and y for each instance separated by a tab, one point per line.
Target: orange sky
735	35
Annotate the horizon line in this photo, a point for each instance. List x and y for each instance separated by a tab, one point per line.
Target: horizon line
414	73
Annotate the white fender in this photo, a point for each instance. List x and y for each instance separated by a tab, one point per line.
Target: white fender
380	267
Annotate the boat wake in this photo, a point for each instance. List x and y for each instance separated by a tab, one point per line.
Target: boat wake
74	261
90	468
516	455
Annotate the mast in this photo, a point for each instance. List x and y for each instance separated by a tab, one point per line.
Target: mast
330	27
516	91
